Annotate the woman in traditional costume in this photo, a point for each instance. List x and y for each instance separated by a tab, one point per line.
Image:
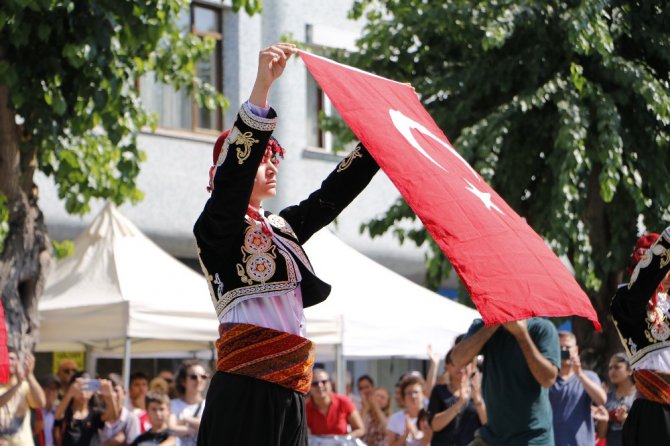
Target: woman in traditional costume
260	278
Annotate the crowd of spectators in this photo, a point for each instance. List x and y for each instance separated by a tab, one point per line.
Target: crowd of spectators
527	368
537	391
72	408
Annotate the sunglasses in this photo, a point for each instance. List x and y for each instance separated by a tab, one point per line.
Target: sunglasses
66	370
194	377
316	383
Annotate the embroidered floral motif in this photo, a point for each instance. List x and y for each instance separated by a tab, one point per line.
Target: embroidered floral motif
247	140
281	224
657	320
344	165
259	289
665	258
258	255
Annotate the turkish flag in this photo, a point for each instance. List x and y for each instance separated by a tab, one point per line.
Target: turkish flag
507	268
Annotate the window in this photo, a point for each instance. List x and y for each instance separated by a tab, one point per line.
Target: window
176	109
337	136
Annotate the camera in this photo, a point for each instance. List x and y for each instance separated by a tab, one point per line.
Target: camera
565	354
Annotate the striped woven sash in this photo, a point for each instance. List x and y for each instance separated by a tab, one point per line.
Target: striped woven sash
263	353
653	385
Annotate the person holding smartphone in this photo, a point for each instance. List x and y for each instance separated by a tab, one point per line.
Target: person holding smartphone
572	395
80	414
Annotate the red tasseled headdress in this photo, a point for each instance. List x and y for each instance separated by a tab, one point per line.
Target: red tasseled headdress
273	150
642	244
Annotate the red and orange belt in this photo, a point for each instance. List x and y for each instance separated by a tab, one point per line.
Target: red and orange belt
653	385
263	353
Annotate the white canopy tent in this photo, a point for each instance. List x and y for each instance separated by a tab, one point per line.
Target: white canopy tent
120	293
374	312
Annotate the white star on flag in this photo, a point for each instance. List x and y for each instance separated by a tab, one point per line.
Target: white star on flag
484	196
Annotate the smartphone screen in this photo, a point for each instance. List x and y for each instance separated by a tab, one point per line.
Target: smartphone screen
92	385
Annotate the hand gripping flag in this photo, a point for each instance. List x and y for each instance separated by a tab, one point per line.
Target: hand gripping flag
507	268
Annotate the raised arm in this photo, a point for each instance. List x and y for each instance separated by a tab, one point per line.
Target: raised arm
339	189
241	153
591	385
112	411
471	345
543	370
36	397
441	416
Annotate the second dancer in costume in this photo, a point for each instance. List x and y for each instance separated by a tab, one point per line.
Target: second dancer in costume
641	313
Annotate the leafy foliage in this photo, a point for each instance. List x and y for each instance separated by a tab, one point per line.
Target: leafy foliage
72	68
563	106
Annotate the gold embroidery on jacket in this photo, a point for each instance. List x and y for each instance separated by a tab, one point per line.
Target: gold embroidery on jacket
658	326
665	258
258	255
281	224
247	140
344	165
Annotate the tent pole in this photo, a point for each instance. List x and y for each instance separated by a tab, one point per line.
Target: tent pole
126	363
340	370
91	364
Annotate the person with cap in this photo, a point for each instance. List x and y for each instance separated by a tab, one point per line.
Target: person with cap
67	367
641	314
259	276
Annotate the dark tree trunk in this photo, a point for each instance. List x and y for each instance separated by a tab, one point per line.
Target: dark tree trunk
596	348
25	259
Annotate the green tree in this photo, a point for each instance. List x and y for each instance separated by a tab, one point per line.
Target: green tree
69	107
563	106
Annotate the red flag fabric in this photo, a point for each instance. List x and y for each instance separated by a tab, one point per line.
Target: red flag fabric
4	355
509	271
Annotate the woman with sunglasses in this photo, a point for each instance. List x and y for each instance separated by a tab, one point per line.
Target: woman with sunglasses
259	276
186	410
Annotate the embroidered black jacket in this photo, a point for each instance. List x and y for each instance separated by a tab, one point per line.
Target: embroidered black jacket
645	328
238	259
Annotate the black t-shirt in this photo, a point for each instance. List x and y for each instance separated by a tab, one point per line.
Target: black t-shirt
80	432
461	430
151	438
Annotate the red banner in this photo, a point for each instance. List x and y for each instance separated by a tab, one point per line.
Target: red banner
4	355
507	268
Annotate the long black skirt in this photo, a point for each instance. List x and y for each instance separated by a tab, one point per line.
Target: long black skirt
248	411
648	423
